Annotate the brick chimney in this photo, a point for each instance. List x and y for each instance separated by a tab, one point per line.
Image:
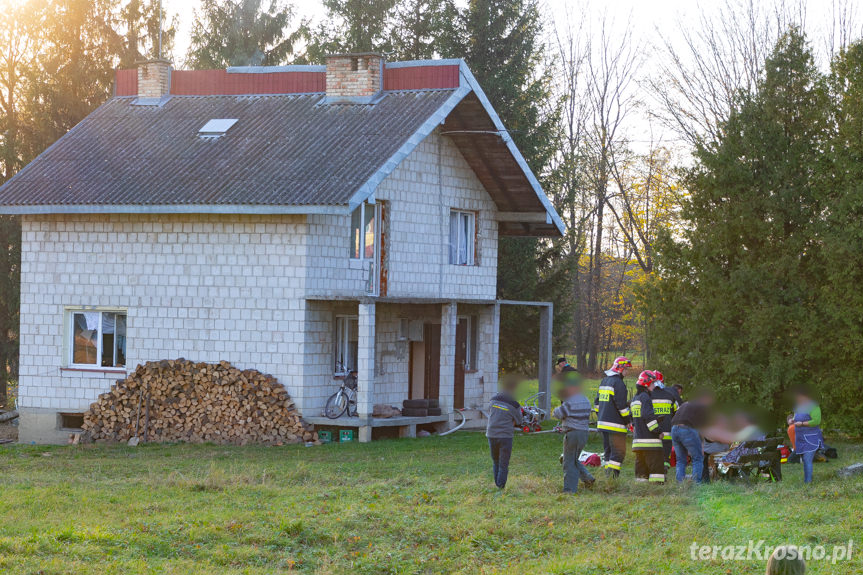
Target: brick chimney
154	79
354	77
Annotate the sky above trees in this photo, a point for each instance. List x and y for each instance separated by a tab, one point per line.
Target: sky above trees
650	16
664	15
652	23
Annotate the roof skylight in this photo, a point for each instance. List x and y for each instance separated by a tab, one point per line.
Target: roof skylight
216	127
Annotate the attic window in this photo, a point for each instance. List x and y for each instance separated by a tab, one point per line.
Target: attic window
216	128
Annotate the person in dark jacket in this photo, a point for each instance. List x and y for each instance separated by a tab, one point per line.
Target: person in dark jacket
574	416
613	416
505	414
646	436
676	390
686	427
562	365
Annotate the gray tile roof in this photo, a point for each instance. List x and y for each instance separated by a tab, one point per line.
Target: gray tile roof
284	150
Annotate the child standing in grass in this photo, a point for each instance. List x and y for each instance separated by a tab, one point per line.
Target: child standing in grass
574	416
504	416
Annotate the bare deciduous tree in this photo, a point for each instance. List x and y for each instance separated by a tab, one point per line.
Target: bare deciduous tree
612	64
597	70
704	68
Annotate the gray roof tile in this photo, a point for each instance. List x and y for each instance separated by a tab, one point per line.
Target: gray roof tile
285	150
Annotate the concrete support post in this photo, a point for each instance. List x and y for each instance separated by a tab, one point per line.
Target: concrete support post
366	361
449	321
545	359
490	351
364	434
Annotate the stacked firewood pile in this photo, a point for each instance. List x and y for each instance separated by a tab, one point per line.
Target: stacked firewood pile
180	400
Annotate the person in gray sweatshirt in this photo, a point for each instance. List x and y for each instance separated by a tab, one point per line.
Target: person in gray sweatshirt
574	416
503	417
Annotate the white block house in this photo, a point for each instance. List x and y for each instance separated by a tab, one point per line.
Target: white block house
304	221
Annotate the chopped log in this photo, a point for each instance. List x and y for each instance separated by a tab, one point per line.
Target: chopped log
198	402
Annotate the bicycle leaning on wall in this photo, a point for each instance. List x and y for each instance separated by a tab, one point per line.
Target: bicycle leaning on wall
345	399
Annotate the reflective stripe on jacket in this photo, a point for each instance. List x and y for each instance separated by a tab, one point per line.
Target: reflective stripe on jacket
613	413
645	426
664	406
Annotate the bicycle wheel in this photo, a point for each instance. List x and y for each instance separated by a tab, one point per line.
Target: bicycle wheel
336	405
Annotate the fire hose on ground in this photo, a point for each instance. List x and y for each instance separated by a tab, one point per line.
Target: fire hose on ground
457	427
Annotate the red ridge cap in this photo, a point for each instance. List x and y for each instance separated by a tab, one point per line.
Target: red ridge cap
126	83
222	83
422	77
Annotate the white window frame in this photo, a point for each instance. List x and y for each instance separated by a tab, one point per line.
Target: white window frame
341	341
70	339
470	243
362	211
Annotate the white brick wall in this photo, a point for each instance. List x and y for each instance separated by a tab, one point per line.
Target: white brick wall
419	195
222	287
449	321
206	288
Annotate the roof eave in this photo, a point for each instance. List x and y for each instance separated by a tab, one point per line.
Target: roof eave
516	154
174	209
468	84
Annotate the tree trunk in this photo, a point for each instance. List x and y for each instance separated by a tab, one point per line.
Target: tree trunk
596	271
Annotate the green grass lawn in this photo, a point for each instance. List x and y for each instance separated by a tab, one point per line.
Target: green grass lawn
393	506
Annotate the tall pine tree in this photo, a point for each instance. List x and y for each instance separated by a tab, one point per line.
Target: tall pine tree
142	20
243	33
419	28
839	335
79	52
736	298
353	26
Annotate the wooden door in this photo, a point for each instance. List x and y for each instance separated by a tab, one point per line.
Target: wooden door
417	370
460	361
431	337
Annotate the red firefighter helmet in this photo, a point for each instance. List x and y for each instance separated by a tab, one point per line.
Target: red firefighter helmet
659	375
646	378
620	364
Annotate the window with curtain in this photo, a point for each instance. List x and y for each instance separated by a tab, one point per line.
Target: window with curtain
462	238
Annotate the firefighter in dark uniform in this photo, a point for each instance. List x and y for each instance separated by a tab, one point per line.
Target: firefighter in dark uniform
646	437
672	389
664	406
613	416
